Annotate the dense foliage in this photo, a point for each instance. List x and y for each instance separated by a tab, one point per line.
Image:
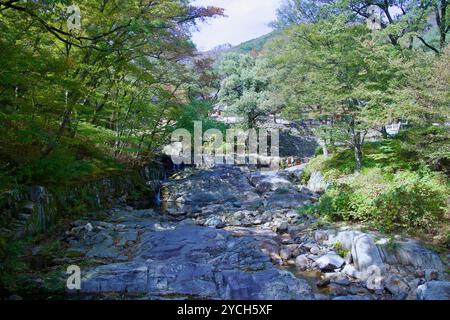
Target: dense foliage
396	189
352	68
78	102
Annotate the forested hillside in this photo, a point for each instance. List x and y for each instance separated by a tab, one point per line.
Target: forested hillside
83	102
354	76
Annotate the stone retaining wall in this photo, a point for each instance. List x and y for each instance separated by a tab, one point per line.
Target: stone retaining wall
30	210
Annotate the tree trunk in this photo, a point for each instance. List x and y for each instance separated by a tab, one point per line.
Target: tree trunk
65	121
441	17
384	132
325	150
358	155
357	142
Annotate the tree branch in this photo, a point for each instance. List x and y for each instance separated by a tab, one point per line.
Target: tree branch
428	45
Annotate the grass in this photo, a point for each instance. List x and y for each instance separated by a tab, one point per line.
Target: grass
411	150
388	155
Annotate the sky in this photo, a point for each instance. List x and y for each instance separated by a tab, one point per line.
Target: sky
246	20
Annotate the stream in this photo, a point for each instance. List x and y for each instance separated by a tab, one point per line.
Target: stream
232	233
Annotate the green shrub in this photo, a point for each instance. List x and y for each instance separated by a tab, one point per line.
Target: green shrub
407	200
413	201
430	145
58	167
318	151
316	164
11	267
340	250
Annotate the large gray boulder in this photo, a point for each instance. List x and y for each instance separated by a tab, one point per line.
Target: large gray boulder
368	254
397	287
317	182
269	181
435	290
286	199
192	261
411	254
365	254
344	238
330	261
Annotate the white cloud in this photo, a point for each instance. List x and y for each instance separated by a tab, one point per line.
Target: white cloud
246	20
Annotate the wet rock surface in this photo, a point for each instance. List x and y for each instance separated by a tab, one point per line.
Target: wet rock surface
228	233
191	261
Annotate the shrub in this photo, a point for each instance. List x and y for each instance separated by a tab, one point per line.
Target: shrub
412	202
60	166
404	201
430	144
316	164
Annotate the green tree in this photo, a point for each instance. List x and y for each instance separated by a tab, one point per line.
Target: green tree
337	74
292	12
401	21
245	88
117	85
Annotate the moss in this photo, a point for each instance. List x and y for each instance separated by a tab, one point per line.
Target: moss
340	250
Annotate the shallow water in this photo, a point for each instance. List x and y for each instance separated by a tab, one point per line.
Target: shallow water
312	277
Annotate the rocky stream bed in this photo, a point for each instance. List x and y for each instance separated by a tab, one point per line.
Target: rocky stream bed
229	233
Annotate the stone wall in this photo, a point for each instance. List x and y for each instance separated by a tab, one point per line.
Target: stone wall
30	210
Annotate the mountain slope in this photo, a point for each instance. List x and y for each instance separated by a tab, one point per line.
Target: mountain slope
255	44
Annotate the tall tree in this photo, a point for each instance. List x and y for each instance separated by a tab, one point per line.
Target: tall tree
402	21
410	18
292	12
244	89
335	73
123	70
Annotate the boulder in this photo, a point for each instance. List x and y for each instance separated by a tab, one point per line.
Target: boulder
412	254
344	238
317	182
321	236
431	275
302	262
330	261
404	255
365	254
263	187
351	271
373	279
286	199
215	222
315	250
285	254
435	290
397	287
281	226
